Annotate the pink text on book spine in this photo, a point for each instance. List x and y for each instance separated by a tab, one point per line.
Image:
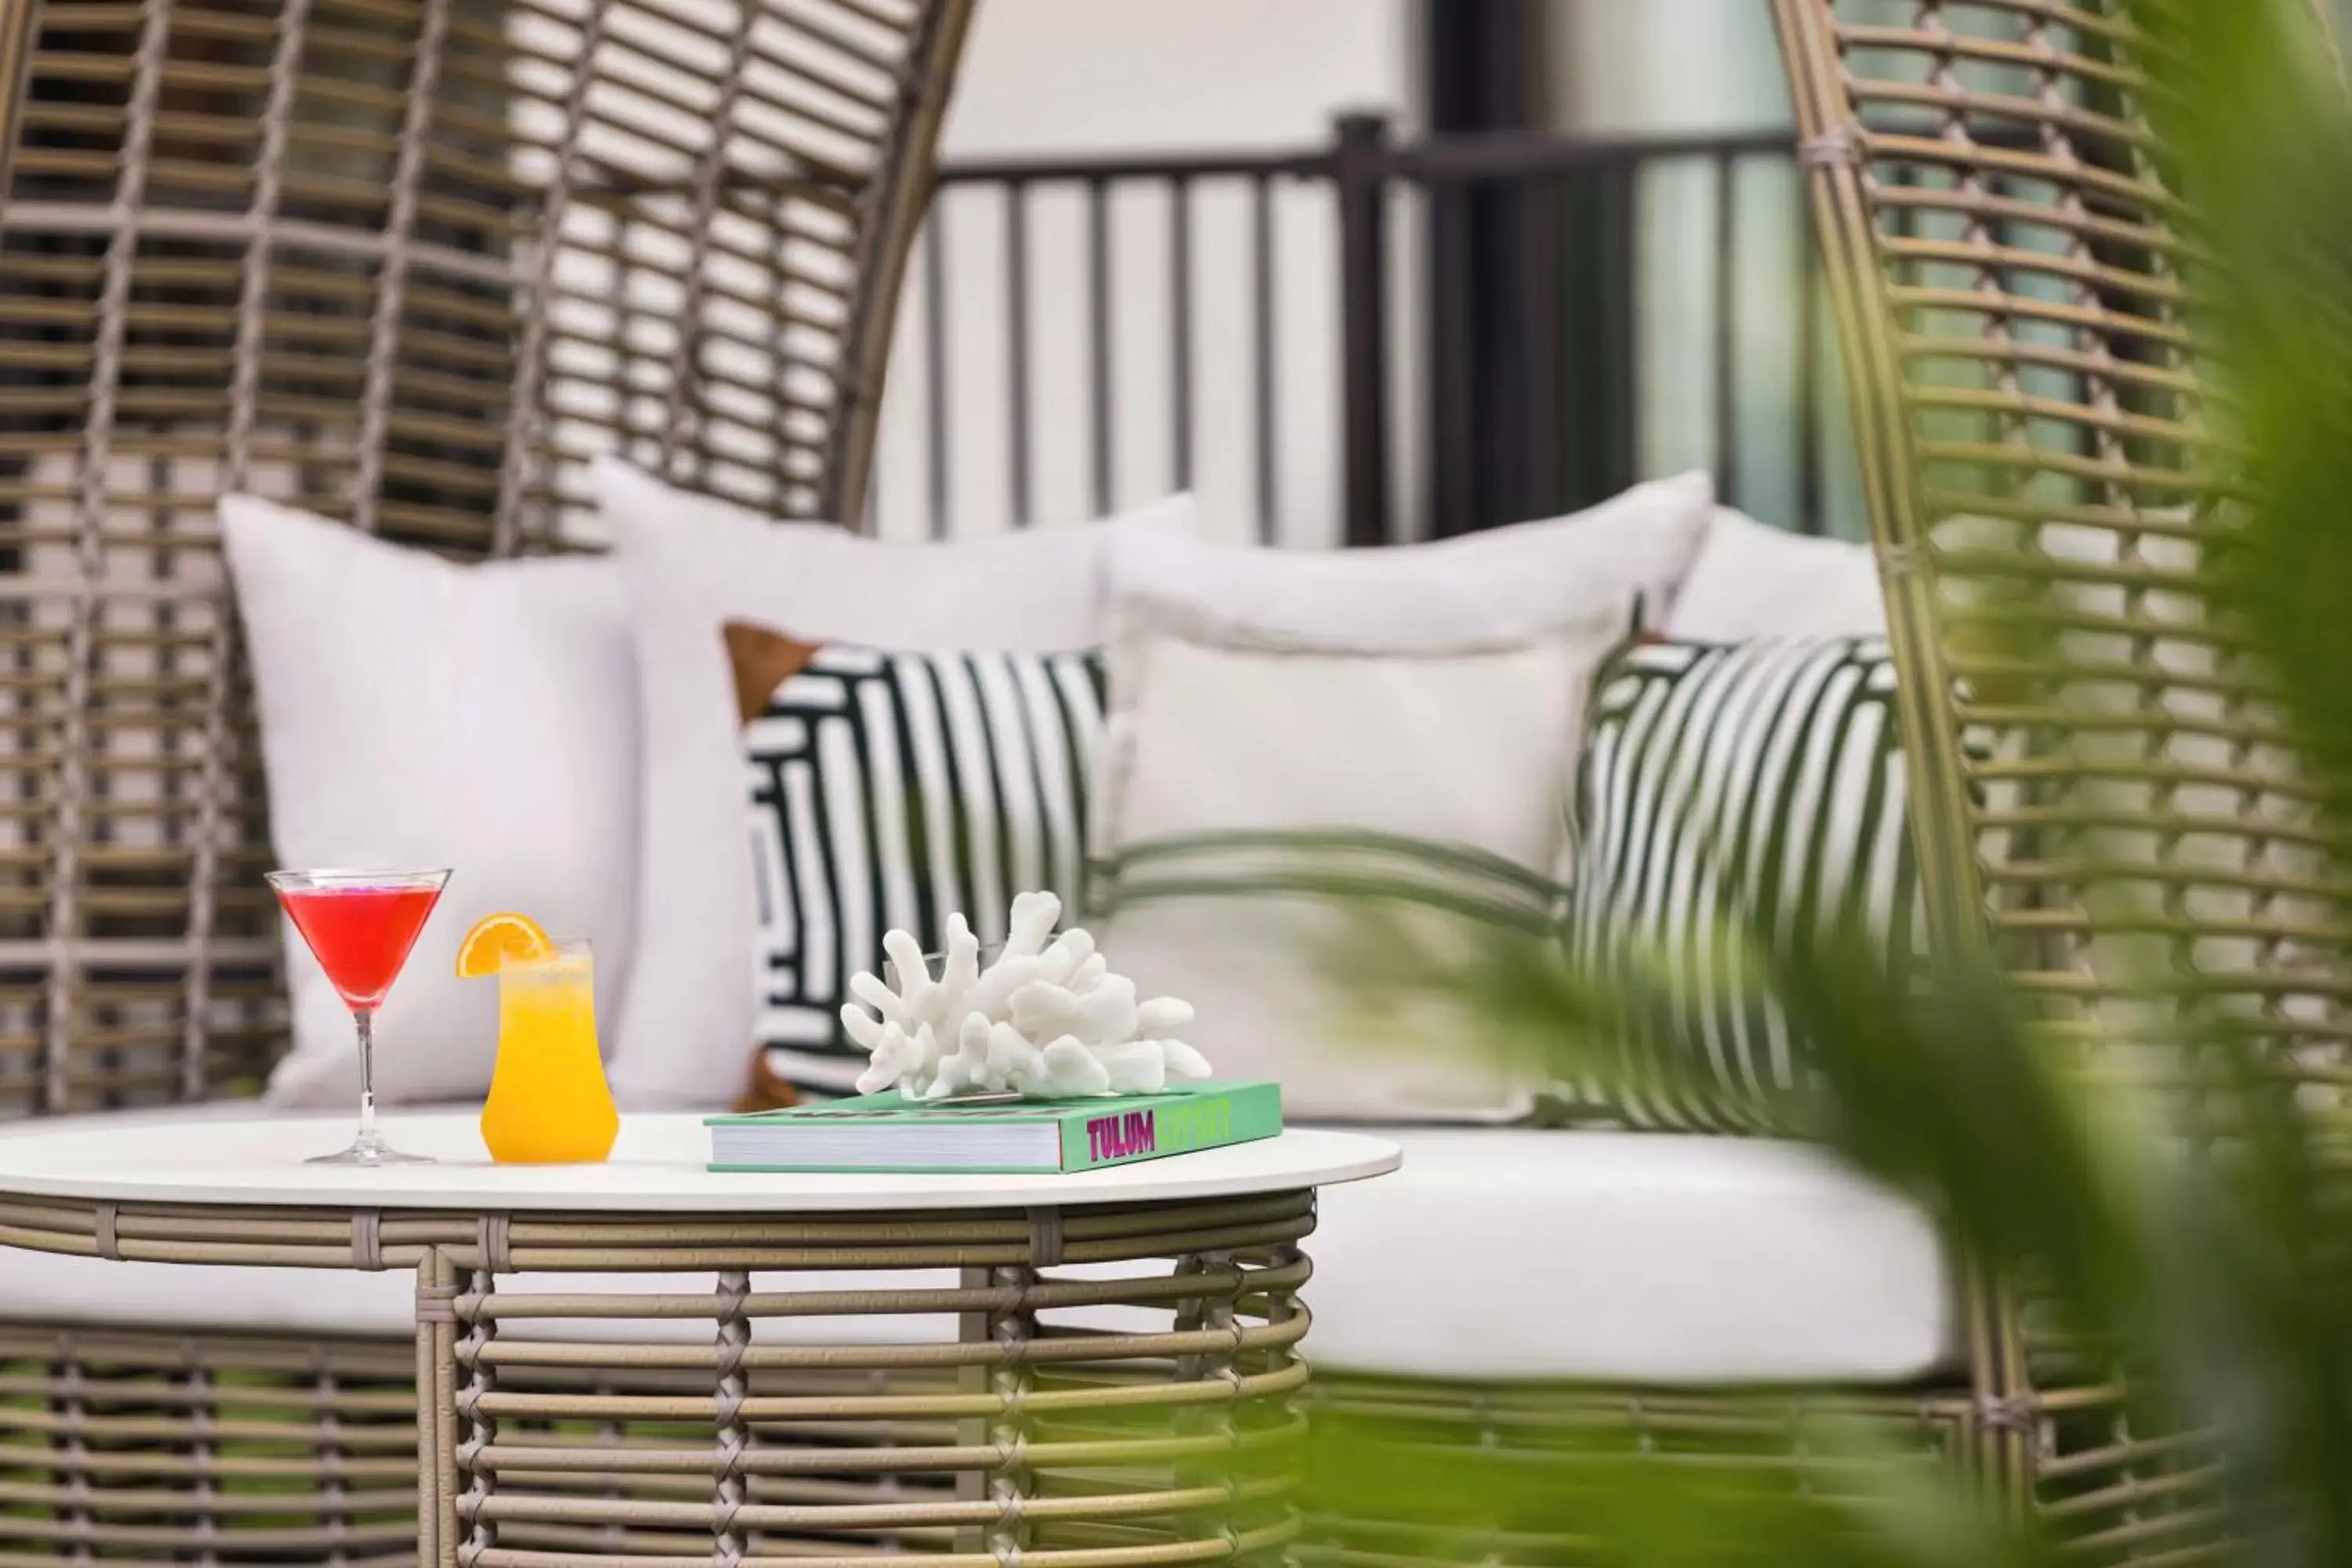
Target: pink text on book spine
1123	1136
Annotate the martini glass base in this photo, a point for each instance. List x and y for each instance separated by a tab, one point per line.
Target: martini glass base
370	1149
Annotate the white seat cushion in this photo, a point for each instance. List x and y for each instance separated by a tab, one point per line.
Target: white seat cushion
1494	1253
50	1287
54	1287
1625	1258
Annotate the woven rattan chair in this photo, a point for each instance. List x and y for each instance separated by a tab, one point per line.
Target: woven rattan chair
2007	260
402	262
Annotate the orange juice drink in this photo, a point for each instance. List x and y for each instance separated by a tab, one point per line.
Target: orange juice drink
548	1103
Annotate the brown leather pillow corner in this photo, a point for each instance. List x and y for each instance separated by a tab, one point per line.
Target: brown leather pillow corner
766	1091
761	660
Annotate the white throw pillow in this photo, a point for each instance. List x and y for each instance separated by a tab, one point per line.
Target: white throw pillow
415	713
1225	746
692	565
1752	580
1501	584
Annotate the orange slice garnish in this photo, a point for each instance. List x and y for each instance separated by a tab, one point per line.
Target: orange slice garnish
499	939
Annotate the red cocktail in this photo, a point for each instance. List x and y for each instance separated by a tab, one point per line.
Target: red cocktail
359	926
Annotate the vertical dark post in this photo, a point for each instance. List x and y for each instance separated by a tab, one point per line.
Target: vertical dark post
1602	396
935	362
1454	405
1358	177
1264	327
1727	329
1622	252
1099	348
1017	343
1599	396
1180	331
1533	363
1498	314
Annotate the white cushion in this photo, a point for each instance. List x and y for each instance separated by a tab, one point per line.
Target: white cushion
1492	1254
1783	755
692	564
1755	581
1502	584
1218	731
1215	730
52	1287
1627	1258
420	713
55	1287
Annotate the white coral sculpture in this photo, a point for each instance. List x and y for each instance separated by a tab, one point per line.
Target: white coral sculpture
1047	1019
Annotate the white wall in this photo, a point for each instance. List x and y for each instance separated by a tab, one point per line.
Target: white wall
1076	76
1044	77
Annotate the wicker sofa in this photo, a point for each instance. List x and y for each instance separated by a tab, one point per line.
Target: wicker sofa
1510	1287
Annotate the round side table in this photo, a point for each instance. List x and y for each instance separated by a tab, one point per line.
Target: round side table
1049	1371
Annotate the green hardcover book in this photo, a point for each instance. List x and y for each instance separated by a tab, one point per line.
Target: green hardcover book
997	1136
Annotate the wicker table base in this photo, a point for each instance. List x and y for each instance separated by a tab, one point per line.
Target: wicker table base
1109	1386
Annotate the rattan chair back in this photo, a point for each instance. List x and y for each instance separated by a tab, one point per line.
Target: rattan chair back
2102	787
407	263
2102	792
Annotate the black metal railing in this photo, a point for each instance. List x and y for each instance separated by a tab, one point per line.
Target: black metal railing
1362	342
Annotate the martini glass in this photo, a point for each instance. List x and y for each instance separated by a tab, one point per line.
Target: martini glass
359	925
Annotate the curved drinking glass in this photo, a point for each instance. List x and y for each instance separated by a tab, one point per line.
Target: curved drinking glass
359	926
548	1102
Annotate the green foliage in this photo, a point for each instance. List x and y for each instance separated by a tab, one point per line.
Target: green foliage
2217	1267
2253	108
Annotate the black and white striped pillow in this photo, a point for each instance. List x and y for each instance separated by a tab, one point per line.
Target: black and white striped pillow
1758	783
891	790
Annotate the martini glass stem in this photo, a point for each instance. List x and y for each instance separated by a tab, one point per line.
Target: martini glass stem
365	1018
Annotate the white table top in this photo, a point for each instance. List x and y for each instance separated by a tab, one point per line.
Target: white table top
657	1166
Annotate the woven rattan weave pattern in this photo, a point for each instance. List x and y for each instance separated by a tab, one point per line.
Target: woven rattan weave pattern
231	1448
2012	274
1101	1388
2014	281
404	262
